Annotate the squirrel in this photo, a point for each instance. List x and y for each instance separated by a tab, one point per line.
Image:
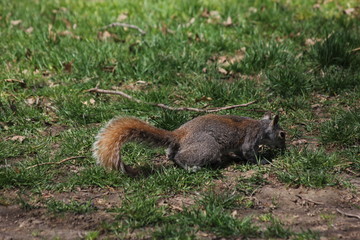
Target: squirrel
199	142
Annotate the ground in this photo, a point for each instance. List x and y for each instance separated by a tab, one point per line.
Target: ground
297	59
330	211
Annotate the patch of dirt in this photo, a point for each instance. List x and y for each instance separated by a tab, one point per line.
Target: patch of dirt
40	223
320	210
299	209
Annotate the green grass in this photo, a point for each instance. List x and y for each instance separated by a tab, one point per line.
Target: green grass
308	168
55	53
72	207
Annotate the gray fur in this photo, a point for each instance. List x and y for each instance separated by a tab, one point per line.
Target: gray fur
211	138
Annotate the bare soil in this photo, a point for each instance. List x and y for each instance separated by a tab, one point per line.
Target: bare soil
329	211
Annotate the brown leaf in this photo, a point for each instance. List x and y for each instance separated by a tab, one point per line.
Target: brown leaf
32	100
222	60
17	138
68	67
222	71
29	30
299	142
215	15
239	56
228	22
312	41
122	17
349	11
192	20
165	30
4	126
13	80
134	86
105	35
52	35
28	53
109	68
316	105
205	13
68	33
204	70
203	99
252	10
68	24
316	6
15	22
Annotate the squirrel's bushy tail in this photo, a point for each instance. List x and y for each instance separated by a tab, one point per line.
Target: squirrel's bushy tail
106	149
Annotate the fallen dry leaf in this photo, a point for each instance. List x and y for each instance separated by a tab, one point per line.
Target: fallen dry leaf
122	17
32	100
51	34
316	105
60	10
51	84
29	30
215	15
191	22
228	22
252	10
105	35
68	67
239	56
4	126
15	22
13	80
234	213
349	11
18	138
299	142
316	6
134	86
205	13
68	24
312	41
109	68
203	99
222	71
226	60
68	33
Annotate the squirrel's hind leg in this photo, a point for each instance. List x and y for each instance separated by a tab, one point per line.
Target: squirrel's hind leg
193	156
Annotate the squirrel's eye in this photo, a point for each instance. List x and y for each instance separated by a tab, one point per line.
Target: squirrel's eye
282	134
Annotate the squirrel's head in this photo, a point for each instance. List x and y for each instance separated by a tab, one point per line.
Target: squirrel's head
274	135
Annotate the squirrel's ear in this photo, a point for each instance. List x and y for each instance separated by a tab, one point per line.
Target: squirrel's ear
267	116
275	120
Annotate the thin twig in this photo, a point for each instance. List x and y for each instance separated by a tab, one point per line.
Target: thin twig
355	49
348	214
60	162
209	110
125	25
309	200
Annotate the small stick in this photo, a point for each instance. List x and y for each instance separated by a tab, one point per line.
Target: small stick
348	214
309	200
125	25
355	49
160	105
60	162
